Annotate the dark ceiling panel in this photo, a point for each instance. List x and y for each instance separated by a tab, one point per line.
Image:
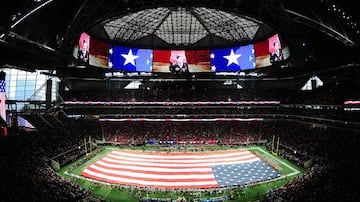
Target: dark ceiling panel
47	36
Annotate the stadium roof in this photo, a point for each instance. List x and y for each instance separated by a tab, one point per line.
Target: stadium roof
182	26
41	34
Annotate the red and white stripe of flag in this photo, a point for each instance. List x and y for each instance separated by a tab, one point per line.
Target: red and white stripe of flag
164	170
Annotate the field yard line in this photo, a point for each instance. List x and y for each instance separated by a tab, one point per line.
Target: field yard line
287	165
107	194
84	178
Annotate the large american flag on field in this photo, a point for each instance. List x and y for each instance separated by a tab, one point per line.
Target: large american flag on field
180	170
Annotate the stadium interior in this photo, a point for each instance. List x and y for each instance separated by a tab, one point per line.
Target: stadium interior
83	81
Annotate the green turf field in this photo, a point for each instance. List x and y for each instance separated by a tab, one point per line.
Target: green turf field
115	193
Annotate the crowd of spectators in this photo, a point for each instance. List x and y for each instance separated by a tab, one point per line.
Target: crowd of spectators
296	140
335	178
25	158
174	92
332	150
182	132
325	102
219	111
329	94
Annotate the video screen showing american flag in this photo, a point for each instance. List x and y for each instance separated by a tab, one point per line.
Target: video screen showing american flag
190	170
130	59
233	59
98	53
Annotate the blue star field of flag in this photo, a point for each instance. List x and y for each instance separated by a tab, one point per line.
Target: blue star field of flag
244	173
232	59
2	86
130	59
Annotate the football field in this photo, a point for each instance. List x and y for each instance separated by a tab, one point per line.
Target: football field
241	174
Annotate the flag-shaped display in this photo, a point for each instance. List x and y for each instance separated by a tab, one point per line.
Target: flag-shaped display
262	54
130	59
180	170
98	53
2	100
232	59
22	122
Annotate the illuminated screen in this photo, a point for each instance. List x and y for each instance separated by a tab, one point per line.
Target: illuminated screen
262	56
98	53
75	51
83	50
275	49
285	48
232	59
270	51
22	122
181	61
130	59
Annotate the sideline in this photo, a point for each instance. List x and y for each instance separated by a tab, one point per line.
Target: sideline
295	171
